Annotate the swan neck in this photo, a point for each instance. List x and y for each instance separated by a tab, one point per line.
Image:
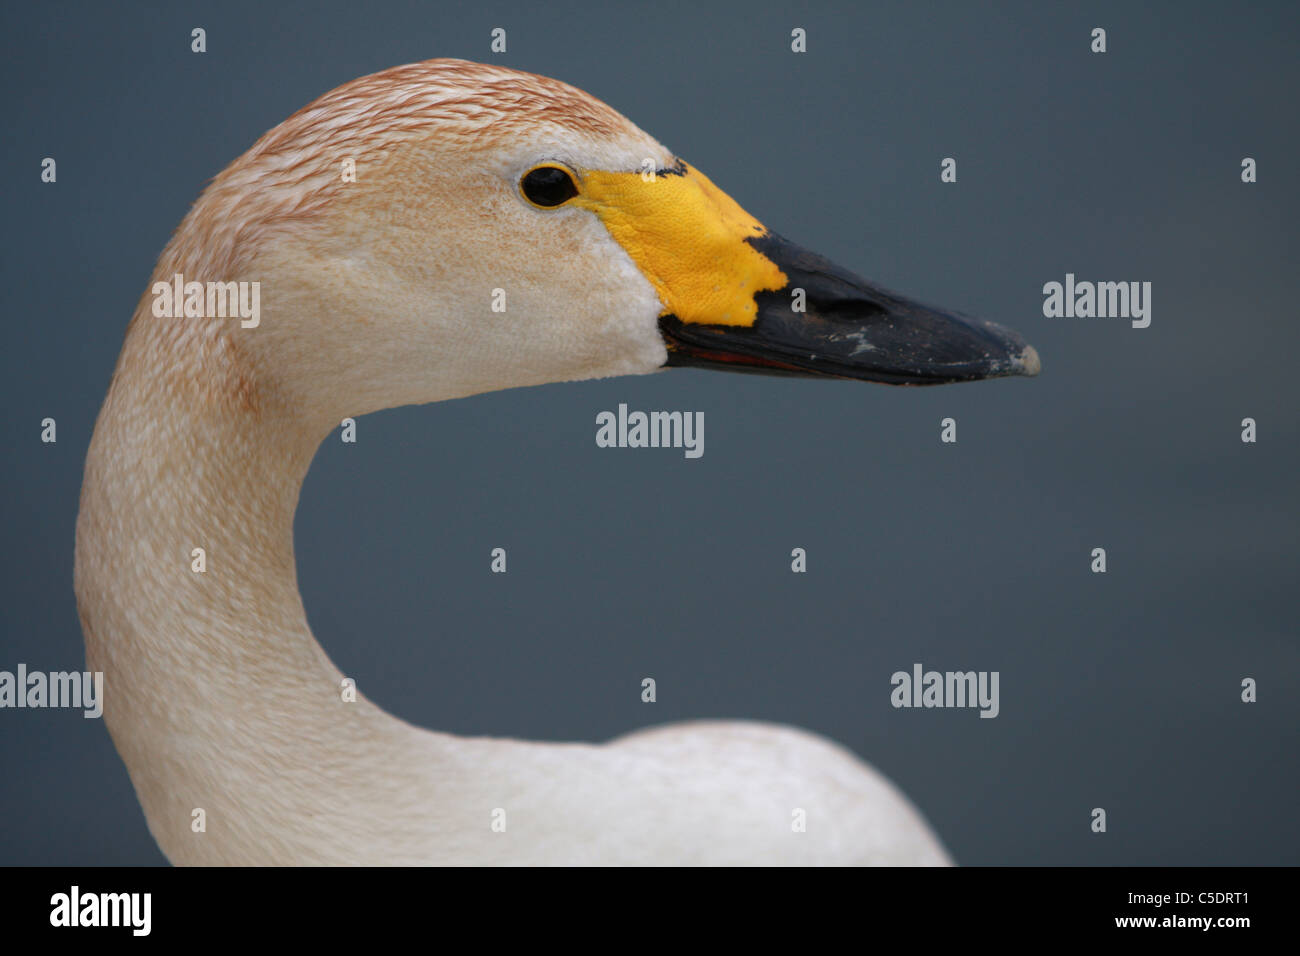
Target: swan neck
216	693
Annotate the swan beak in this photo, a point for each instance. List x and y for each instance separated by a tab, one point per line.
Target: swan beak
827	322
738	297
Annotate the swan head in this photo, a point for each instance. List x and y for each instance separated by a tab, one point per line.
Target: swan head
447	228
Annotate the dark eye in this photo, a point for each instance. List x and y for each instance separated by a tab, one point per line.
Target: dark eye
548	186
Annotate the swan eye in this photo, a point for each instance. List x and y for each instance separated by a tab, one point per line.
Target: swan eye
548	186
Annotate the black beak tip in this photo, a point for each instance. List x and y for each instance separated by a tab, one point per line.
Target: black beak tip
935	347
1005	352
1009	354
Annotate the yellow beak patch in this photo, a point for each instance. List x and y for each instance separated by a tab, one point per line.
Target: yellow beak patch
688	238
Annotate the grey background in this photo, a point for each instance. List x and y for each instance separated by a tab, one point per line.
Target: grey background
1118	690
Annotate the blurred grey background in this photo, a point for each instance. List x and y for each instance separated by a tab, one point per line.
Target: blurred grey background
1118	690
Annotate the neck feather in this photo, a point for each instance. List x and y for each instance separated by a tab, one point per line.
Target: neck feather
217	695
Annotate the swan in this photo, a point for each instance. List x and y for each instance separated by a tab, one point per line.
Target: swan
376	290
